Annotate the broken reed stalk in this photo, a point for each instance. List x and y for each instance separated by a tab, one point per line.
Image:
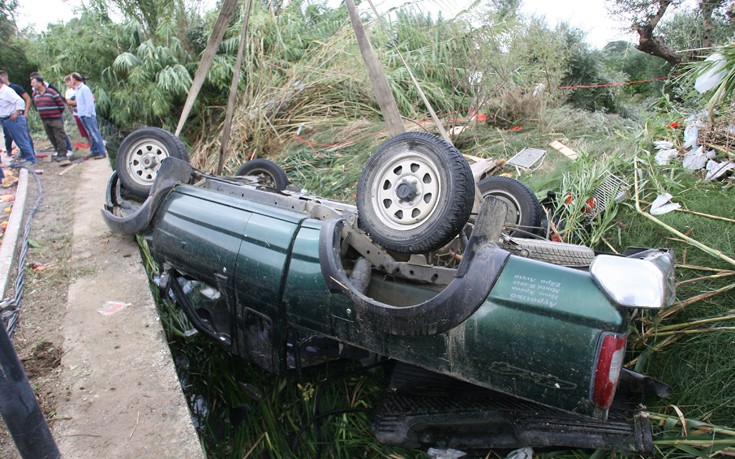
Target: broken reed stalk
701	214
702	278
694	332
669	340
714	252
702	268
700	443
668	328
694	424
703	296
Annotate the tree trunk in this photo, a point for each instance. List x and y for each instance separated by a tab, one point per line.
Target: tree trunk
648	43
707	7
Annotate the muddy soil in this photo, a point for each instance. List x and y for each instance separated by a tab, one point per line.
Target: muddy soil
38	337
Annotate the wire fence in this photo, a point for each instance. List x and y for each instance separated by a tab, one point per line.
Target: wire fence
10	306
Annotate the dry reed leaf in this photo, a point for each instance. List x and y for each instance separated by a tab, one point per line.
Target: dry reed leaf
682	419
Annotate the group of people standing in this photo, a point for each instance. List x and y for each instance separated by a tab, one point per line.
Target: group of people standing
15	104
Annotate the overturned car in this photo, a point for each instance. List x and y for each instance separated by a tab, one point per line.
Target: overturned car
500	341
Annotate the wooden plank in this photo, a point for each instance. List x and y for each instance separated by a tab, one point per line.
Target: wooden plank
564	150
70	167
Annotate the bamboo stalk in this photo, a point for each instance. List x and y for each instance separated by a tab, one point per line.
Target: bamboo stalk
714	276
703	296
701	214
714	252
702	268
704	443
694	323
694	332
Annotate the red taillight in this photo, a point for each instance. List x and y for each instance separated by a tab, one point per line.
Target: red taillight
607	373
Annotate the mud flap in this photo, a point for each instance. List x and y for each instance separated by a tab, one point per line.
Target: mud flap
128	220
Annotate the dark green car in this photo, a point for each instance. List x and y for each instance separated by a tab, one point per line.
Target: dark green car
280	276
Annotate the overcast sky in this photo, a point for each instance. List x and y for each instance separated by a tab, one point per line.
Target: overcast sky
588	15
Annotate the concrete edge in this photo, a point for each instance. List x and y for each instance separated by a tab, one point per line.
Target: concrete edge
8	252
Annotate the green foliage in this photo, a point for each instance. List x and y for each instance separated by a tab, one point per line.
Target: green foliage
87	45
684	31
723	94
13	57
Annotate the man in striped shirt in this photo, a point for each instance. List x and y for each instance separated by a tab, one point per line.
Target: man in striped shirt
50	106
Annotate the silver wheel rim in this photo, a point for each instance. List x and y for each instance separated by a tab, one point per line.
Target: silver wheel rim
410	171
144	160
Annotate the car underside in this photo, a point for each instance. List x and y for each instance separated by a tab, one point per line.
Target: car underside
498	341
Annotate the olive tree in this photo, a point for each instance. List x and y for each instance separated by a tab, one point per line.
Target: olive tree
647	20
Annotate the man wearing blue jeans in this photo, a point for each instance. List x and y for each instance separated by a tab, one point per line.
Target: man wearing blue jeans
12	118
88	116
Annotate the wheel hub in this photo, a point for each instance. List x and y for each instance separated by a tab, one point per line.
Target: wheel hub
406	191
150	161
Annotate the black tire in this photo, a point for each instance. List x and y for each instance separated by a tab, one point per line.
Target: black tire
269	173
415	193
524	210
140	154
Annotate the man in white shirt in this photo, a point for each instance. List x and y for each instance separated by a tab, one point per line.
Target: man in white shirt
13	119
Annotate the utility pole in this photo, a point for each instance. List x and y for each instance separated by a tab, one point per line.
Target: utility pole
387	103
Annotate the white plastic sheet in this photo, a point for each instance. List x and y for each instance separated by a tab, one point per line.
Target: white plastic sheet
717	169
663	157
663	205
713	76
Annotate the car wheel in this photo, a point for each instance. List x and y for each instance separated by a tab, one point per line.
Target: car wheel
524	210
269	173
140	155
415	193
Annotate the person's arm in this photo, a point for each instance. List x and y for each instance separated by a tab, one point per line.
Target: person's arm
60	102
20	106
28	102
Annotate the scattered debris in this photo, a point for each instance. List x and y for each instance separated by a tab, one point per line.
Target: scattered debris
564	150
663	205
528	158
112	307
448	453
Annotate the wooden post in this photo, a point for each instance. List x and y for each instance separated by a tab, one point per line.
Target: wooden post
225	14
387	103
233	89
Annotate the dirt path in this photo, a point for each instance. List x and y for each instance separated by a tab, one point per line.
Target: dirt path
105	382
